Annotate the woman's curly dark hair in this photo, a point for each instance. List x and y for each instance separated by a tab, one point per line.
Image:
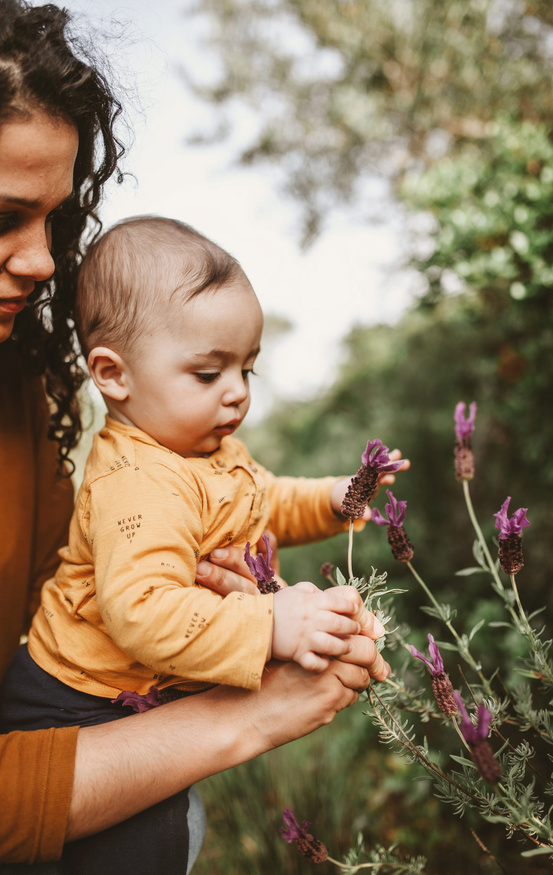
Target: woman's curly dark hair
40	70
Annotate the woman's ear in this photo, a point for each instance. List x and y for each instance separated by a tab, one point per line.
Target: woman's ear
108	371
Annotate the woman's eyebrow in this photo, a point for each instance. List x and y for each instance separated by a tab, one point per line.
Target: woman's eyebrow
20	201
27	202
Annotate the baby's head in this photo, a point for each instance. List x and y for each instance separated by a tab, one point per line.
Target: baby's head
171	328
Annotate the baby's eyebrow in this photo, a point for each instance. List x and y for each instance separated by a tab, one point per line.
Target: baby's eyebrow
219	355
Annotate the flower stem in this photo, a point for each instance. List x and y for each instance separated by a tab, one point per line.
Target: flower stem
481	540
354	867
493	570
463	649
350	550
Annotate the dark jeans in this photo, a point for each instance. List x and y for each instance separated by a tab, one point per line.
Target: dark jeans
154	841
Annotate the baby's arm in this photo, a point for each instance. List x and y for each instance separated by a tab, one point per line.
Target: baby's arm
310	626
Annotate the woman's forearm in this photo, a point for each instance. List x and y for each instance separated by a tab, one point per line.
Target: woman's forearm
128	765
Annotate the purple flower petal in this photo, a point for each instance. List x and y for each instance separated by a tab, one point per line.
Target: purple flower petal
464	427
484	720
395	509
377	518
421	656
260	567
473	734
292	831
376	456
437	665
513	526
435	655
138	703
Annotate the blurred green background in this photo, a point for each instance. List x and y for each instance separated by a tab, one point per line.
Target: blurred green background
451	101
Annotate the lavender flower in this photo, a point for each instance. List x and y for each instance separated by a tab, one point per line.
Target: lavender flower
464	458
139	703
260	568
441	684
374	461
475	736
510	540
306	844
398	539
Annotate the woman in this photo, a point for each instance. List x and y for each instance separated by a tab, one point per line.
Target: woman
57	148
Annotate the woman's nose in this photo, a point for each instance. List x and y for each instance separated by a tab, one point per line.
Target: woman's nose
32	257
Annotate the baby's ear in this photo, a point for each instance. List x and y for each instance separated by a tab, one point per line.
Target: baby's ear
108	371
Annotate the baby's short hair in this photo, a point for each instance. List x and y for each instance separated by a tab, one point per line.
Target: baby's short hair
137	267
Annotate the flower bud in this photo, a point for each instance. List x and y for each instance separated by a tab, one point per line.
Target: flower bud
485	762
359	492
443	693
312	849
398	540
464	459
510	554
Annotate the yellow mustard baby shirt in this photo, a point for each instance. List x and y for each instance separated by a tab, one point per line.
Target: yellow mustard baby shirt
123	611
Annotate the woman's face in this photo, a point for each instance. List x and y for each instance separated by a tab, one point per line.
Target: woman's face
36	176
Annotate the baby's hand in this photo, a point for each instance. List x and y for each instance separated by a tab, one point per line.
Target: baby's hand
388	479
310	626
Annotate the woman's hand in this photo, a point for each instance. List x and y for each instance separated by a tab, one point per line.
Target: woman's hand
226	570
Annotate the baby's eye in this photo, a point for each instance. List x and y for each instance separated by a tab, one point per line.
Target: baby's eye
246	374
207	377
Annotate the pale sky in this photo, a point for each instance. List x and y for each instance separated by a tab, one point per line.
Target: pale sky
347	278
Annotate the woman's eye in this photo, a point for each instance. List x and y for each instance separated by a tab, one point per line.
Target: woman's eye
207	378
8	221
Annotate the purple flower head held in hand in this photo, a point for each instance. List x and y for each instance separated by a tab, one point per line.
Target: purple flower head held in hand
476	738
441	684
260	568
510	537
464	427
398	539
374	461
306	844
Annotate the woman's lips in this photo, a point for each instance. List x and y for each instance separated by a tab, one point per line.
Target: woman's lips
12	305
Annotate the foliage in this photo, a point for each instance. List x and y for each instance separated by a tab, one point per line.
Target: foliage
513	789
349	85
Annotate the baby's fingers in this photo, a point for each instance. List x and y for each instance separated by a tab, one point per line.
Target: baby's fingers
341	600
370	624
313	662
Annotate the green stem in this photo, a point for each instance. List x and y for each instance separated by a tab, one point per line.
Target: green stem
533	823
463	649
354	867
493	570
529	631
350	550
491	564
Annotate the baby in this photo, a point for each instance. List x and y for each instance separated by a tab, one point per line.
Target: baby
171	328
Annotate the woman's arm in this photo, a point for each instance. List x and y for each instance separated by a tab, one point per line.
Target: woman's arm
128	765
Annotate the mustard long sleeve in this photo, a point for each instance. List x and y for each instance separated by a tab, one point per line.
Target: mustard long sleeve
124	612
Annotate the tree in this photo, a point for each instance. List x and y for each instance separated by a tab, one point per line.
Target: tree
342	87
